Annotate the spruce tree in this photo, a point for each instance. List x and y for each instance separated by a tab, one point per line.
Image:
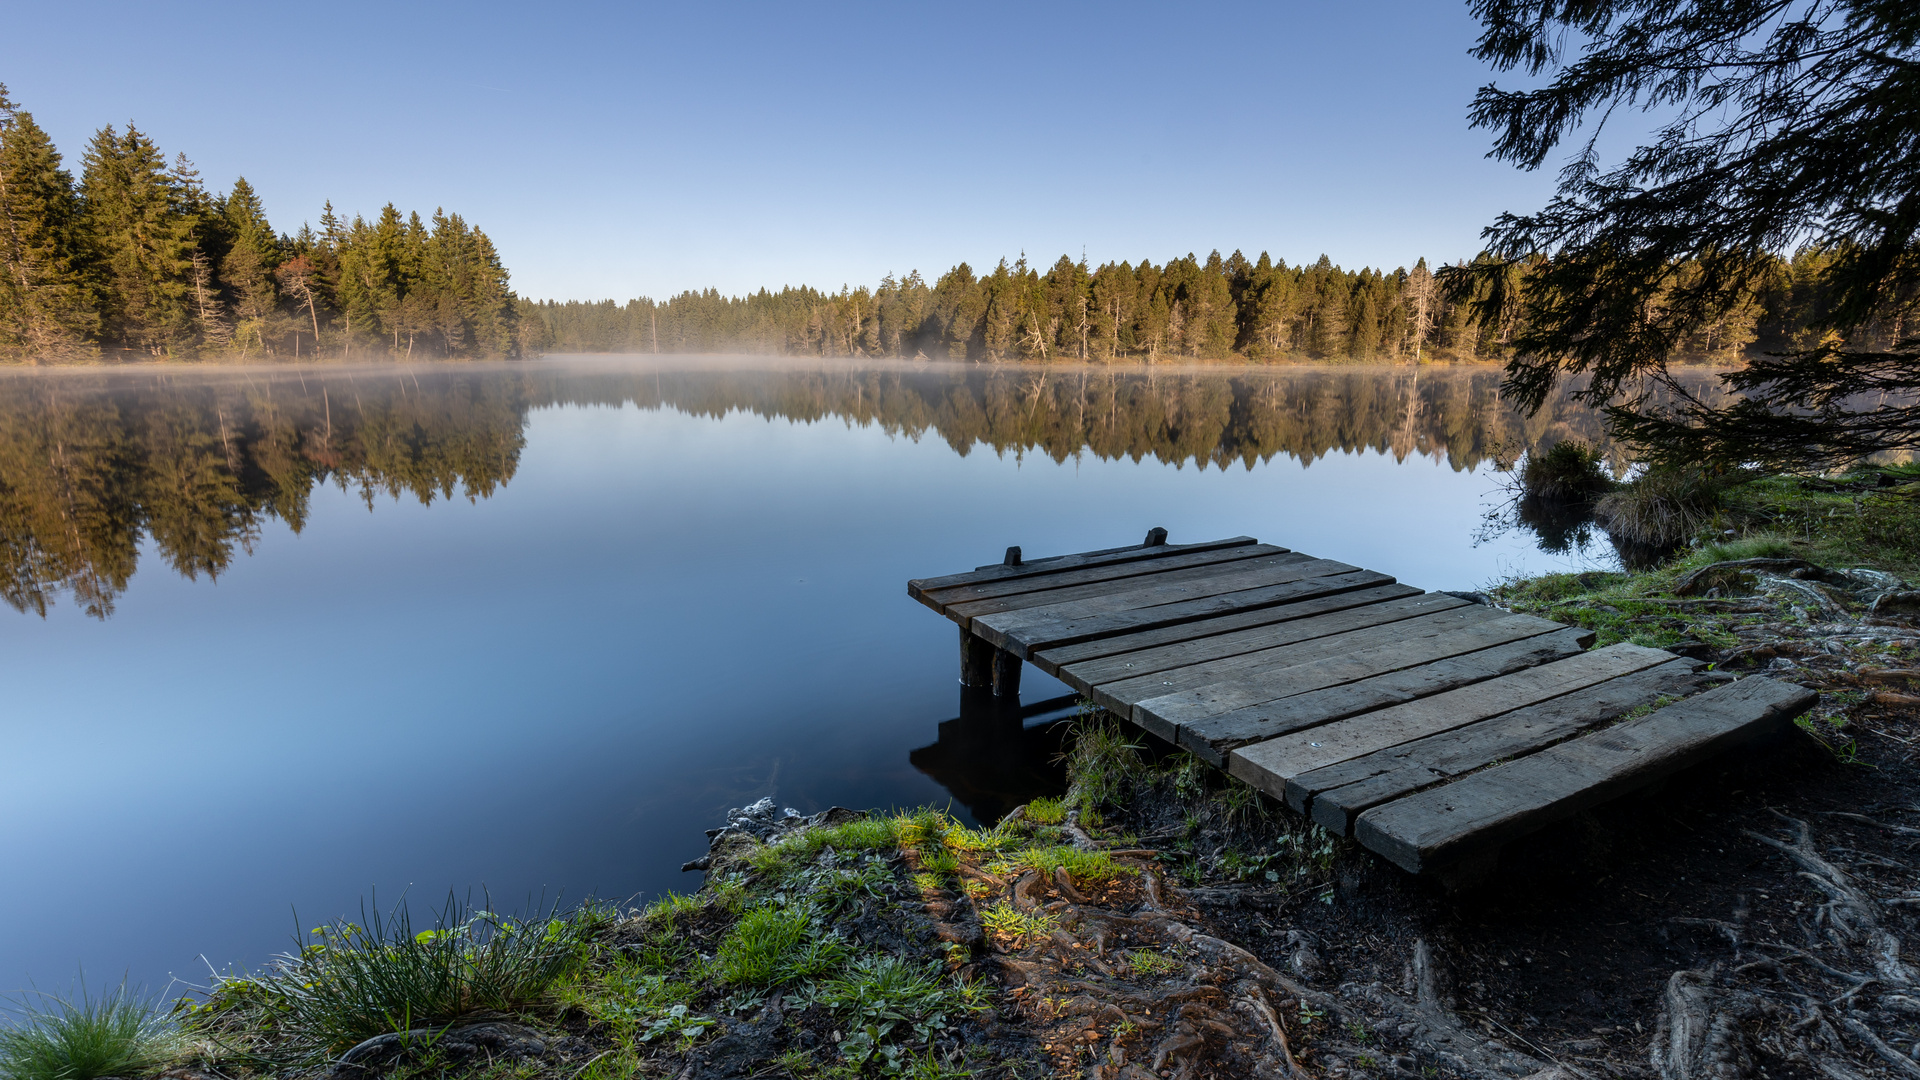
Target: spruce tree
1782	125
45	306
247	269
138	225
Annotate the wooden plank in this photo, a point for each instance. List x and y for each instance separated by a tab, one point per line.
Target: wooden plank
1337	794
1265	562
1150	592
1270	764
1058	563
1026	632
1212	735
1444	825
1280	668
1254	639
1056	657
987	590
1239	682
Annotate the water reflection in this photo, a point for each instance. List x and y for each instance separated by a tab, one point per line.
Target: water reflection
998	753
92	462
537	626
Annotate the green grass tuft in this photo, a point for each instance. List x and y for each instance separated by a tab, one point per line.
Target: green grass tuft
356	982
1005	920
57	1039
1662	508
1750	547
1153	963
1103	762
940	860
875	989
632	989
922	830
1046	811
1081	866
773	945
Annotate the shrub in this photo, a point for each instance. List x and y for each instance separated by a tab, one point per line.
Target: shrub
55	1039
1663	508
1570	471
358	982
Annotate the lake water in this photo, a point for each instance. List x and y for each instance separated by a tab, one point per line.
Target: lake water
284	636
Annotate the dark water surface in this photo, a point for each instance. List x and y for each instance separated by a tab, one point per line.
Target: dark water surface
280	636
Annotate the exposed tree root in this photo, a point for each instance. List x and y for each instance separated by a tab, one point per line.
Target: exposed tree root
1828	1006
1128	983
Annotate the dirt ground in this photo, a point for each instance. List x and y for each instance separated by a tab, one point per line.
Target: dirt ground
1751	917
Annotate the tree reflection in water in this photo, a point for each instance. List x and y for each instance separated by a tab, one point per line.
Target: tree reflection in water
196	459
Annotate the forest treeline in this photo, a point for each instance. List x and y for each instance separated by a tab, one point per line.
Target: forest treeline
92	464
137	256
1187	308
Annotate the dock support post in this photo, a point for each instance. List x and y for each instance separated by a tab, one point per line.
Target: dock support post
1006	674
976	660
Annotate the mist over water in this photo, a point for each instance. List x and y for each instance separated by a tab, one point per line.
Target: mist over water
279	636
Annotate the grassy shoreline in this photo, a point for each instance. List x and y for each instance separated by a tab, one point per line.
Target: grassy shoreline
1161	919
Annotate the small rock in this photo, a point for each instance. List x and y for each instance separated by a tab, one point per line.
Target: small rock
762	822
491	1041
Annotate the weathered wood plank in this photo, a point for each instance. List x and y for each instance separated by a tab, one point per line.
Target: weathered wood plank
1058	563
1055	657
1244	682
1337	794
1027	632
1212	734
1151	592
1270	764
1085	575
1445	824
1182	654
1265	561
1307	664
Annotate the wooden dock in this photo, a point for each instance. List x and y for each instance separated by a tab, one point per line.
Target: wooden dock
1430	728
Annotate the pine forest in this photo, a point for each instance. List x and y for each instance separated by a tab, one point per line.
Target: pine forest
136	258
1187	308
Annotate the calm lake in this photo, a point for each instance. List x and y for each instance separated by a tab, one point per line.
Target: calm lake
280	637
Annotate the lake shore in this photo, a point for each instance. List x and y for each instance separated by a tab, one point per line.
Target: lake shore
1161	919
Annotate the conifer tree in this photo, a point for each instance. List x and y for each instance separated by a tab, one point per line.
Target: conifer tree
247	268
1785	124
138	223
45	306
1418	296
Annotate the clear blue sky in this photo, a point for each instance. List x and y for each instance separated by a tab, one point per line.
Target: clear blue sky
613	150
